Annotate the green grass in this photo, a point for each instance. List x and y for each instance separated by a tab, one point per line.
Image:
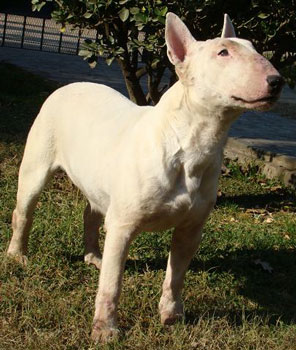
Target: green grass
231	302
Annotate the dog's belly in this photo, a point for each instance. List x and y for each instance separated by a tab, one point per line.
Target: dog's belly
95	194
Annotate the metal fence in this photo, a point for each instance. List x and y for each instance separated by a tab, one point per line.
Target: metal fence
40	34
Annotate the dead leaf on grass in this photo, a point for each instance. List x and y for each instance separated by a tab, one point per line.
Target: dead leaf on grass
200	344
256	211
194	344
264	264
225	171
268	220
233	220
275	188
219	193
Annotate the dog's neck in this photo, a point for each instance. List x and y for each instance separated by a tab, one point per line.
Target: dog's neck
195	125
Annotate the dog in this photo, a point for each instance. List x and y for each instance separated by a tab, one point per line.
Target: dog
145	168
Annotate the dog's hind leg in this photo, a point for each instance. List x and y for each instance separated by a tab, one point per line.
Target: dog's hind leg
92	221
31	183
35	171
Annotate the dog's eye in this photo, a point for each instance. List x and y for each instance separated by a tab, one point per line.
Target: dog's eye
223	52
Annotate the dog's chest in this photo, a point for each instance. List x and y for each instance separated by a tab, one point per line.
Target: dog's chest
184	196
186	191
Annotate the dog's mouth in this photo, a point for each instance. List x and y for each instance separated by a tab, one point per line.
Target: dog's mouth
268	99
263	103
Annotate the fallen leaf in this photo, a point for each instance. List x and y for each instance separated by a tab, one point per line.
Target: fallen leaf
265	265
225	171
275	188
256	211
232	219
194	344
268	220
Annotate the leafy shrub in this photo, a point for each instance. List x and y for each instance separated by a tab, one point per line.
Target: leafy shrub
132	32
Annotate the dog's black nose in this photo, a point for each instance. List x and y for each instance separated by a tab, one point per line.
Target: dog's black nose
275	83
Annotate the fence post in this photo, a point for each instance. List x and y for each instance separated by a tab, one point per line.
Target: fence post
4	29
42	34
23	33
78	42
60	42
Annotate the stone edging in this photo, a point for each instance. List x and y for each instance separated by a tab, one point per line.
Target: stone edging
271	165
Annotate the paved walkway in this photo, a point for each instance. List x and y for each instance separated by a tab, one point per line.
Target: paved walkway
266	137
64	68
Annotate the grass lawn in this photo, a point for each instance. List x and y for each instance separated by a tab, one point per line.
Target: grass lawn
240	290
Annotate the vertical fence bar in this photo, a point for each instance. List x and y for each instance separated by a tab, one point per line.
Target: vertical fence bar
78	41
4	29
60	42
42	34
23	33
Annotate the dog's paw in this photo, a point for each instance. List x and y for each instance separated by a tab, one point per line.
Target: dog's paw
18	257
92	259
102	334
170	311
169	318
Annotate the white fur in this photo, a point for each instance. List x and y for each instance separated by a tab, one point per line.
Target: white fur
143	168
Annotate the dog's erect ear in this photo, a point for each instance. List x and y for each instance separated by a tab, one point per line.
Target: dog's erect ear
228	29
178	38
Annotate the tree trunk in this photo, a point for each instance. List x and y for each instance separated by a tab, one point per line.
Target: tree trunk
153	85
132	83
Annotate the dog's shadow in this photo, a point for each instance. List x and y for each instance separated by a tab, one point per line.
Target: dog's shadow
273	292
271	201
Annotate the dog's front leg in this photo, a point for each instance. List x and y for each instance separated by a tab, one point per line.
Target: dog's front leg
118	239
184	245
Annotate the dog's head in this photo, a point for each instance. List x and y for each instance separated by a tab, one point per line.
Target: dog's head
226	71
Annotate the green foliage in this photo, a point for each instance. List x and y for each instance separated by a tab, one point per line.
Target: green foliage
37	5
133	31
118	23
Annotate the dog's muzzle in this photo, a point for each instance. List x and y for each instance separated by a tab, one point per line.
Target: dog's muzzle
275	84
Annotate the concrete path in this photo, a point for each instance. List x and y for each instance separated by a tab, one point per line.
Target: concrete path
64	68
266	138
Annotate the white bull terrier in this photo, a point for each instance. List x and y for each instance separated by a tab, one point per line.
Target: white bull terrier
145	168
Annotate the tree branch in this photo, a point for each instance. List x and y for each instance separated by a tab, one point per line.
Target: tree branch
141	72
